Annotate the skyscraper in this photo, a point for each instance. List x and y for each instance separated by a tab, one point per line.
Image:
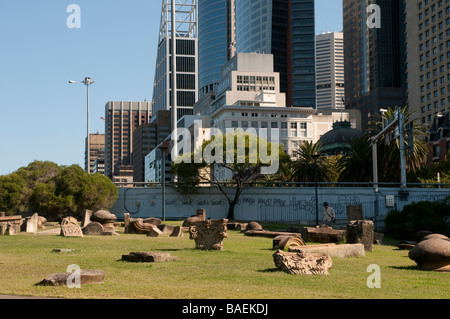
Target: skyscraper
216	41
181	17
330	70
284	28
121	120
374	57
428	52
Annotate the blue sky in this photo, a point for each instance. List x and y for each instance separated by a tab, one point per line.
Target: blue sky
43	117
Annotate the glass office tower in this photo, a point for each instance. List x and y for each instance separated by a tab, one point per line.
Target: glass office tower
374	58
284	28
215	41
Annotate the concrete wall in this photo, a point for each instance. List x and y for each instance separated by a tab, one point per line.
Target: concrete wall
286	204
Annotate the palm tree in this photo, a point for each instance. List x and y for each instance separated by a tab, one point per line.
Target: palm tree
389	153
305	165
356	164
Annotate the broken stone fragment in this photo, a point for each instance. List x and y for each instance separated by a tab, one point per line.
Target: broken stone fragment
302	263
86	277
148	257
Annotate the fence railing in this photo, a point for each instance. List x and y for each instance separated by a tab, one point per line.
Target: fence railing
305	212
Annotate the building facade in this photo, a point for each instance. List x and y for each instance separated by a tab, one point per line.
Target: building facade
216	41
330	70
183	92
428	59
374	56
249	98
122	118
286	29
96	150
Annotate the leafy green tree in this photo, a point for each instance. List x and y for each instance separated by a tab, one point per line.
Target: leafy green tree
54	191
305	165
13	193
356	164
244	168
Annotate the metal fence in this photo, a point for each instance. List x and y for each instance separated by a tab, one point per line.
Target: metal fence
305	212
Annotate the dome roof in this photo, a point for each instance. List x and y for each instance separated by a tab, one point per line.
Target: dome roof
337	140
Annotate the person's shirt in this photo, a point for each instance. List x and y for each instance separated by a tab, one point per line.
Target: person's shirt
328	213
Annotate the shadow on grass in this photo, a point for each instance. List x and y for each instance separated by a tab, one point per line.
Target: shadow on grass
412	267
270	270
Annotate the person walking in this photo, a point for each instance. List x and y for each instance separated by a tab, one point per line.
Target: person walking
328	215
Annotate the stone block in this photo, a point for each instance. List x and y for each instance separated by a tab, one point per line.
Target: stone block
70	227
323	234
355	212
361	232
333	250
86	217
93	229
155	232
177	232
148	257
302	263
86	277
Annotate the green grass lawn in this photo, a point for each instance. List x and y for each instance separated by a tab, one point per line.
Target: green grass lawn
243	270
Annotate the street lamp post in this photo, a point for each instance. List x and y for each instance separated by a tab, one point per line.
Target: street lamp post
87	81
163	147
315	157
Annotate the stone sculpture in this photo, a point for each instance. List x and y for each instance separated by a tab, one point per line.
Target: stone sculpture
432	253
302	263
70	227
105	218
209	234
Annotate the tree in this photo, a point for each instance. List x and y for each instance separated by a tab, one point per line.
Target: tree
389	153
13	193
305	165
356	164
54	191
244	163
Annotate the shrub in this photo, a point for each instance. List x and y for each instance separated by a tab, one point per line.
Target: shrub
429	216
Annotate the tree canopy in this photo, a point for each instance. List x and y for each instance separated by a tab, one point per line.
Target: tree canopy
55	191
244	162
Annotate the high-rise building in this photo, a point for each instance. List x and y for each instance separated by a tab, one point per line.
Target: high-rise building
428	60
286	29
183	92
330	70
122	118
96	150
146	138
374	56
216	41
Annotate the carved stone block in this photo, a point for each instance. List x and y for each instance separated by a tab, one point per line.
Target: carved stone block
302	263
70	227
209	234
